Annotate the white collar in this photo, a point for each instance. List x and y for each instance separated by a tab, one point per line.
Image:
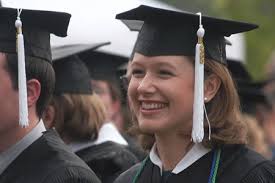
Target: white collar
108	132
8	156
195	153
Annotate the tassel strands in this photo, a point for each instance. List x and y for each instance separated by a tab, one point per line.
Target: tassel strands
198	110
22	88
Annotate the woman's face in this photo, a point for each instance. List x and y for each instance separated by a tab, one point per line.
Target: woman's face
161	93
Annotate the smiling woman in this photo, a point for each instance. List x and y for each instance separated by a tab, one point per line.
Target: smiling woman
155	92
172	87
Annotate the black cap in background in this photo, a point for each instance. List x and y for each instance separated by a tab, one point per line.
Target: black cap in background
72	75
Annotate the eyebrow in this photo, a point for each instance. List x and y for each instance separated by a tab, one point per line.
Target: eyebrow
162	64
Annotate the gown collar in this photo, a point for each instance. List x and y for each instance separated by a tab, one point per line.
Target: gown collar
195	153
8	156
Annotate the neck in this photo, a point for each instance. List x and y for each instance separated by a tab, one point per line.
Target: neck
171	148
10	136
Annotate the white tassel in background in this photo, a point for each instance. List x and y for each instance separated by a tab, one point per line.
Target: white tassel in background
22	88
198	111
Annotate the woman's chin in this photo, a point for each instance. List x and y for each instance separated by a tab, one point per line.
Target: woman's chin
150	129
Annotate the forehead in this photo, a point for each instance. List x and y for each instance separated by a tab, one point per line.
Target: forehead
99	83
140	59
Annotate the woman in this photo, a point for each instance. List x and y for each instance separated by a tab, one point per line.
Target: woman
164	85
79	116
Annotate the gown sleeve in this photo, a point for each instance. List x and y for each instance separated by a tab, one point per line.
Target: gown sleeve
128	176
262	173
71	174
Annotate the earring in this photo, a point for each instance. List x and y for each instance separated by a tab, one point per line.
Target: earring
205	98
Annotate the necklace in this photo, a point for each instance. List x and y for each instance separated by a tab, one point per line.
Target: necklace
213	172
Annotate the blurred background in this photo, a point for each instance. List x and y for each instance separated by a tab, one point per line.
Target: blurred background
260	43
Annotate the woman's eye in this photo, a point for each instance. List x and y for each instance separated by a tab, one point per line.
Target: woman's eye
165	73
137	72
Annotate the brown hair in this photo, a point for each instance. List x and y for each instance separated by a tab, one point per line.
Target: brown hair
78	117
256	137
223	112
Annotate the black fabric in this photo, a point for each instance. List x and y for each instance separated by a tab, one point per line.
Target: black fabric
102	66
251	92
134	147
72	76
48	160
36	27
167	32
108	160
238	164
59	52
238	70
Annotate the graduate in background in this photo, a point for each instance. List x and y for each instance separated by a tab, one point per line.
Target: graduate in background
269	115
252	100
29	153
185	101
103	69
79	116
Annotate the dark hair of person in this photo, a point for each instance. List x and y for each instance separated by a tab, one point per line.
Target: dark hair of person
38	69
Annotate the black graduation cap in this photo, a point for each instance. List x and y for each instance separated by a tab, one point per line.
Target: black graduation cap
72	75
238	70
167	32
103	66
36	27
251	92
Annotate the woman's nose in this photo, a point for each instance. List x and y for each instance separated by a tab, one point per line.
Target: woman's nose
146	85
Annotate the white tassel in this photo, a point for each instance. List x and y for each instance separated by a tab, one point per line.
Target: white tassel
22	88
198	111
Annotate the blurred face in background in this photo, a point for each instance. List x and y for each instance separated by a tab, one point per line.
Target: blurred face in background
103	90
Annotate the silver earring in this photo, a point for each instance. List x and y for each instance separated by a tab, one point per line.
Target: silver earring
205	98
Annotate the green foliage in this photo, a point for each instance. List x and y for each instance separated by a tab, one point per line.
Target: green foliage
261	42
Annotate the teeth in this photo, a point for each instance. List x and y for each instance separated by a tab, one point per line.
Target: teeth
152	106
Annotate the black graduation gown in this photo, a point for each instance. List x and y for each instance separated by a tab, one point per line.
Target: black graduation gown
108	160
134	147
48	160
238	164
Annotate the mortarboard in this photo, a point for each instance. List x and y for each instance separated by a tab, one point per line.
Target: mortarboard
102	66
165	32
27	33
238	70
251	92
72	75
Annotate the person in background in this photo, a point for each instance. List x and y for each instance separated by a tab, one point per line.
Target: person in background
256	138
29	153
103	69
252	100
178	75
268	123
78	115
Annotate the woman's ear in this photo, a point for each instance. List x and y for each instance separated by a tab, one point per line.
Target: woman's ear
48	117
211	86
